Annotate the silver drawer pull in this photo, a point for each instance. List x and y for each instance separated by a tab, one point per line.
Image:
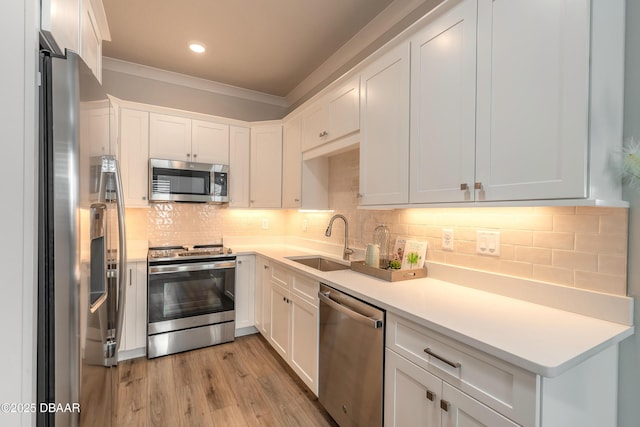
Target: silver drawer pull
442	359
444	405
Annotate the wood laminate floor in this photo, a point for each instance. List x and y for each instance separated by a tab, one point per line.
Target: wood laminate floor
243	383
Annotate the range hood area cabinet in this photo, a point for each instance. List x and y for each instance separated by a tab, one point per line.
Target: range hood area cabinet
305	182
333	116
185	139
537	117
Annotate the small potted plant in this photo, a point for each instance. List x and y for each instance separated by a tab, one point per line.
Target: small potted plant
413	258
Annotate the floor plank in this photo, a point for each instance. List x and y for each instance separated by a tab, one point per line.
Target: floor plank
243	383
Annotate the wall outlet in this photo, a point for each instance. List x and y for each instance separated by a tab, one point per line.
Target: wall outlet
447	239
265	223
488	243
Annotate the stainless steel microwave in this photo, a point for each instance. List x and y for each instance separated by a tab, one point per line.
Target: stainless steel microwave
177	181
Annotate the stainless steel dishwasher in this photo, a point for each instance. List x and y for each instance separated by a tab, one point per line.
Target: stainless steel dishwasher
351	358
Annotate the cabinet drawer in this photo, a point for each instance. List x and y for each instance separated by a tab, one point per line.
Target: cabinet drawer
306	288
280	275
502	386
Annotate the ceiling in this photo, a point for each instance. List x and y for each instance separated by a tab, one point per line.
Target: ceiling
268	46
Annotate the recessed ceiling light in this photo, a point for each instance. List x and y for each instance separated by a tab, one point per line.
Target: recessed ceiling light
197	47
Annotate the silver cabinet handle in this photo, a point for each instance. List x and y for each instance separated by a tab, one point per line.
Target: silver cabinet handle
477	186
188	154
195	155
323	133
296	200
444	405
239	261
442	359
464	187
131	277
144	197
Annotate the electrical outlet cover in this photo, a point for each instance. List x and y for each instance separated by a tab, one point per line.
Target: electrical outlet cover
447	239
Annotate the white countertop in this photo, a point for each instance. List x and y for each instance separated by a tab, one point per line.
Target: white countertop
544	340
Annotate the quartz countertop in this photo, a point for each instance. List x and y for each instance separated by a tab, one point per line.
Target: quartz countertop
541	339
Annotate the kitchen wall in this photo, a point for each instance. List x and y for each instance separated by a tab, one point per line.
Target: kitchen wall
629	378
585	247
151	91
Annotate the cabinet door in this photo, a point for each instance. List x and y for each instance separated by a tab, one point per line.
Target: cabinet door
134	156
443	90
266	166
292	165
209	142
169	137
411	394
533	93
244	291
384	122
304	341
91	39
59	21
134	333
344	109
239	155
464	411
280	315
315	123
259	294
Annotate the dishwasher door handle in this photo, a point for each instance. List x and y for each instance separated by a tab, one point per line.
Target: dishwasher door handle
374	323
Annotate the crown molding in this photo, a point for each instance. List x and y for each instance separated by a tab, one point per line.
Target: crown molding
171	77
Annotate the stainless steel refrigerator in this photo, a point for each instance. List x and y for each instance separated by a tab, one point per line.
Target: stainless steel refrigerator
82	254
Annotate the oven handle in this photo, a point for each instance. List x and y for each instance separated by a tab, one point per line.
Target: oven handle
200	266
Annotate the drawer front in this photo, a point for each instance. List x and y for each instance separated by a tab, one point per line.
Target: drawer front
281	275
508	389
306	288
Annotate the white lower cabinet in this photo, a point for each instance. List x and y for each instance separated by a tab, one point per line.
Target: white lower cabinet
261	308
293	313
244	293
133	342
434	380
414	397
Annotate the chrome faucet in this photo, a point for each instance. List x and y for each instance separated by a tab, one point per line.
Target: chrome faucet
347	250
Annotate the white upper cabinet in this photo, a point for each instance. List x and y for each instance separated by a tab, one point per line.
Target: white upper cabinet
169	137
533	99
292	165
180	138
59	22
239	171
333	116
209	142
77	25
384	133
134	155
443	89
266	166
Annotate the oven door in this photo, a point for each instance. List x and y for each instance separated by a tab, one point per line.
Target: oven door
190	294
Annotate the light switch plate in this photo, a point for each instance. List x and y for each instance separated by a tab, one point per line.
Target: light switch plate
488	242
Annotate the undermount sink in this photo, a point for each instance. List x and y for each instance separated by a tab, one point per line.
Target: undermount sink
320	263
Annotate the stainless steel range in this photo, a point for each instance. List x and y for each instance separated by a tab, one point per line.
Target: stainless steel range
191	292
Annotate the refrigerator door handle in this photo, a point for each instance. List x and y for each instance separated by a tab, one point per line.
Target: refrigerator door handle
122	252
98	257
111	189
